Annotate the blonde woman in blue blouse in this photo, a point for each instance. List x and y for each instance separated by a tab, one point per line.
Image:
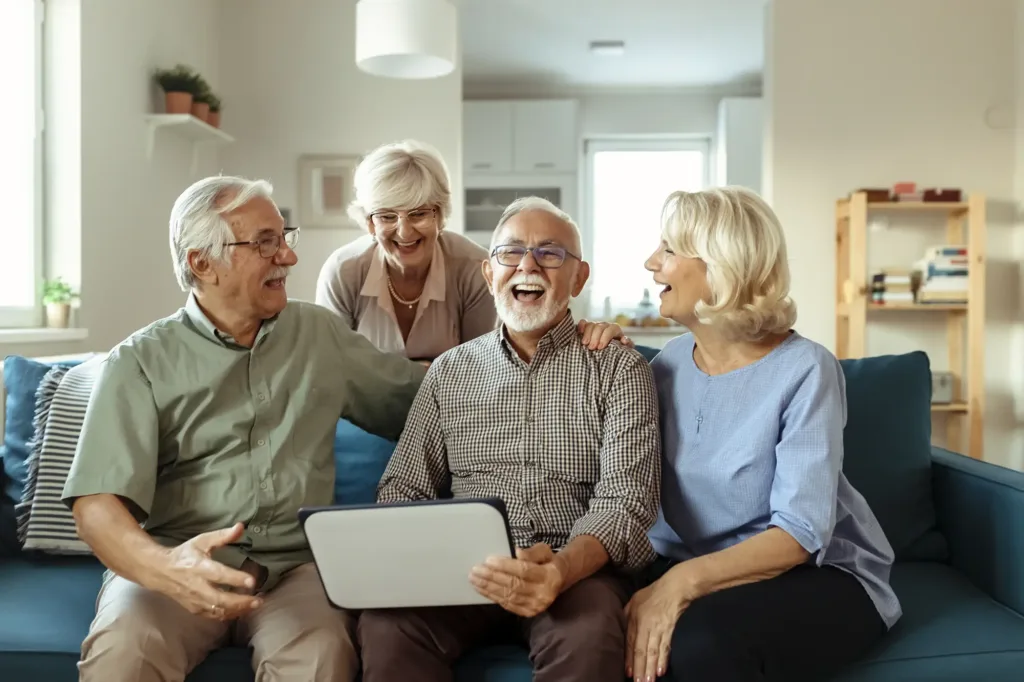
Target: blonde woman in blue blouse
772	566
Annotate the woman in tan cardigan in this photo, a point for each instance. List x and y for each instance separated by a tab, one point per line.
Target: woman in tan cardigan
409	286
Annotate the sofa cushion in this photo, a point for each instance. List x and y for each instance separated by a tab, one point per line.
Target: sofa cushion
360	458
48	604
22	377
950	630
888	449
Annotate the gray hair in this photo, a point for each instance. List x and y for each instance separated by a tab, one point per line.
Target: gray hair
531	203
197	220
401	176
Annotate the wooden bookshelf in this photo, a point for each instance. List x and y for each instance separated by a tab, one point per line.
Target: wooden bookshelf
965	224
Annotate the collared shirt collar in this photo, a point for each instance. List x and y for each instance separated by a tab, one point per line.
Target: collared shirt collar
376	283
558	337
206	327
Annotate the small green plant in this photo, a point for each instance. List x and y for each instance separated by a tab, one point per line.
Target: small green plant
182	78
202	91
57	291
214	103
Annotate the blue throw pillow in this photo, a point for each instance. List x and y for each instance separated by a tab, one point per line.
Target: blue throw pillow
22	377
887	445
360	459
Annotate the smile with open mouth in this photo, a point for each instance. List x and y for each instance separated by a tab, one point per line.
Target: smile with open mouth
527	293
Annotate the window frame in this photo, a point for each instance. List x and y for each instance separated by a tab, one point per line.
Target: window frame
627	143
31	316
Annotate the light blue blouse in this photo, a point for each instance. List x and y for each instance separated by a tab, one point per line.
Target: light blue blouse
762	446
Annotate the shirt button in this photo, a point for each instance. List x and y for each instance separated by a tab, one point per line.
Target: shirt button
262	397
259	442
263	485
256	529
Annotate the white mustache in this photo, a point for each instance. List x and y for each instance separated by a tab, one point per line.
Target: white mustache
529	278
277	273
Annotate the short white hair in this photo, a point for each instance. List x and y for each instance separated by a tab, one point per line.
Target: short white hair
197	220
401	176
531	203
740	240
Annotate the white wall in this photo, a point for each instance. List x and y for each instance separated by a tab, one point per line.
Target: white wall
292	87
108	204
914	90
1016	364
739	142
625	114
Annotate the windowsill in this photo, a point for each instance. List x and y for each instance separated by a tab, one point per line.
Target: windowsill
42	335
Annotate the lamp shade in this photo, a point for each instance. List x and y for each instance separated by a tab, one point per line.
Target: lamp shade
406	38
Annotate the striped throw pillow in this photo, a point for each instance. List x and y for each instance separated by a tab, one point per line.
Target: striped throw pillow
44	522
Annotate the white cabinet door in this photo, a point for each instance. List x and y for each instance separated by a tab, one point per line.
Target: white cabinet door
487	137
545	136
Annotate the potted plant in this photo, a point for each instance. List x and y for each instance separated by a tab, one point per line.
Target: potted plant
57	296
214	116
201	98
179	85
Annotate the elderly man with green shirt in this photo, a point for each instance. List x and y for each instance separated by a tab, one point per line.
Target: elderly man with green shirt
205	433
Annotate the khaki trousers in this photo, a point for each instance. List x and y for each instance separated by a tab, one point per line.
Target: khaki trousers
144	636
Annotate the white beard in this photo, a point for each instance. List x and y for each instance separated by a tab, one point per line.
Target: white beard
524	320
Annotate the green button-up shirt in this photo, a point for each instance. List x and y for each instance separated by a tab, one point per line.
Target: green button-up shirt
196	432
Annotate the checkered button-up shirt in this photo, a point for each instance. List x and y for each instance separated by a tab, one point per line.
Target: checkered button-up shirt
570	441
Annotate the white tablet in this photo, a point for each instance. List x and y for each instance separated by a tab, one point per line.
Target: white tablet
405	554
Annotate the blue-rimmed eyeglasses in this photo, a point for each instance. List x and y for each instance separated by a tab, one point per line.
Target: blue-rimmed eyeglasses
545	256
270	244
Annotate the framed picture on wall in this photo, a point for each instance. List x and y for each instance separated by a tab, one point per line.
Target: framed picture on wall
325	190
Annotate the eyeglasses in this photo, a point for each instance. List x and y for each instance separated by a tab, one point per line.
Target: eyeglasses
549	257
270	244
418	217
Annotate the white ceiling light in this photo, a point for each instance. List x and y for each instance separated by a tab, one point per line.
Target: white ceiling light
406	38
609	48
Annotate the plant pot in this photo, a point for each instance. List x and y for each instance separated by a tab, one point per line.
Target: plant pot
214	119
200	110
178	102
58	315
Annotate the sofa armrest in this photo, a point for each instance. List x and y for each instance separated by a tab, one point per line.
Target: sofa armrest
980	510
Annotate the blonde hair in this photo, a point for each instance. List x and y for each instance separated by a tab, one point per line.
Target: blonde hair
401	176
740	240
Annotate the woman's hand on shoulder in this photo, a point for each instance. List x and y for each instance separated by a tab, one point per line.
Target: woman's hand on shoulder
651	617
597	335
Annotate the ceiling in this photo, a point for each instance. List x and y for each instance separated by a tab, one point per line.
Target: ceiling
669	43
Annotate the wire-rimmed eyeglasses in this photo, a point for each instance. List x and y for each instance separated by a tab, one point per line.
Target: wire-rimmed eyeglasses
550	257
418	217
270	244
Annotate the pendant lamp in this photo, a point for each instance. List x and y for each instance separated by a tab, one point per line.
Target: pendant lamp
406	38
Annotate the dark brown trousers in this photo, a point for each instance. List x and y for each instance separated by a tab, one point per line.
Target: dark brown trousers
580	637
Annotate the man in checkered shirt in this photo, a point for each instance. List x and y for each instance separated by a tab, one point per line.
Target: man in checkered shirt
568	437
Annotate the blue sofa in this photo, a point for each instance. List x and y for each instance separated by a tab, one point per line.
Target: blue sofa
957	526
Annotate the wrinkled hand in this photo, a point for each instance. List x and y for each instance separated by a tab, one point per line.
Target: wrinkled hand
525	586
200	584
651	615
597	335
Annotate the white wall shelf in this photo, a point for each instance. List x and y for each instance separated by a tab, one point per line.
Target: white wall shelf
187	127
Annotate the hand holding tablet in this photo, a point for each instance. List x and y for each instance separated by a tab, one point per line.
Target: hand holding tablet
407	554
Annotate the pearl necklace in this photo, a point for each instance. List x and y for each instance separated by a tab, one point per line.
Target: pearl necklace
394	294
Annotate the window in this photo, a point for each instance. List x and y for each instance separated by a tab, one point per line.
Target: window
627	184
21	175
